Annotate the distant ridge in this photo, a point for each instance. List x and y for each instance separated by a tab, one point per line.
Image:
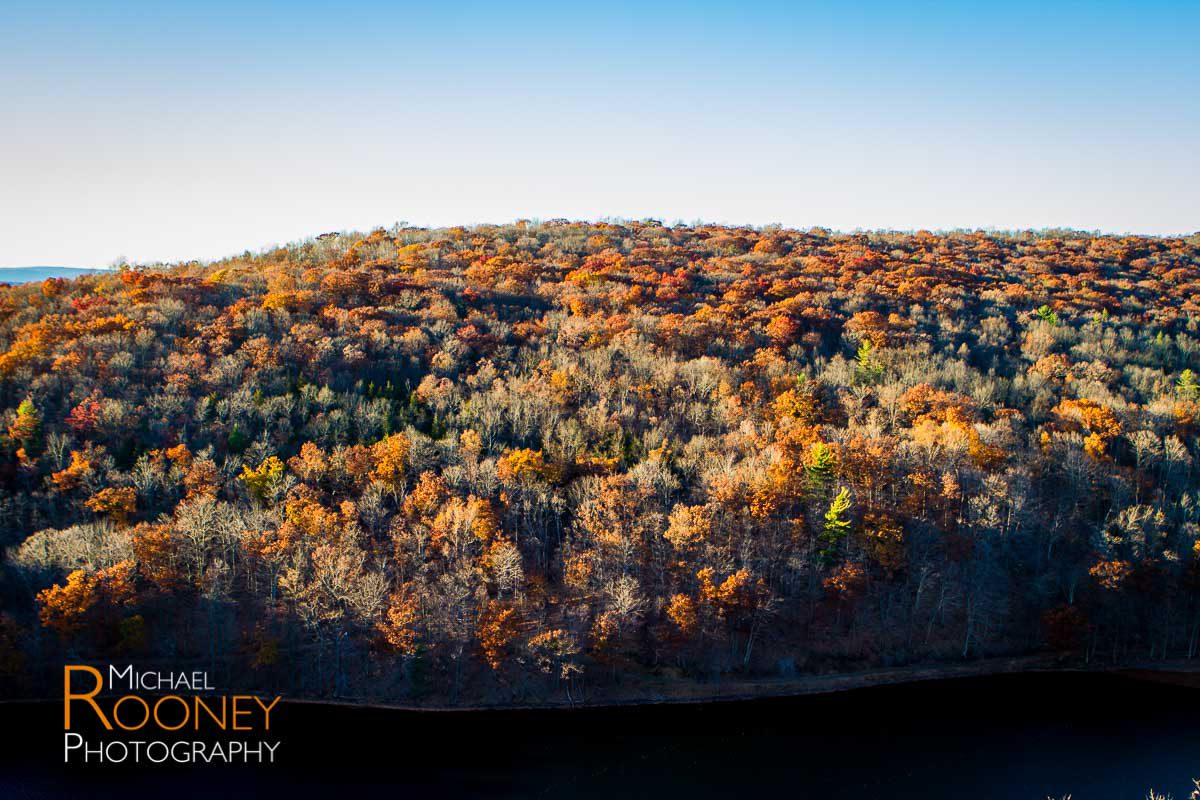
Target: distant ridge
15	275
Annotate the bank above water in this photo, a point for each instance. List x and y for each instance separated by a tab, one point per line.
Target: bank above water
647	690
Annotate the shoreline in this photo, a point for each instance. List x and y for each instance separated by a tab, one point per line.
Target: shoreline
1181	673
1178	673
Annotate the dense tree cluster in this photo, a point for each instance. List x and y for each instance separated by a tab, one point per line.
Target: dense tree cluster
527	461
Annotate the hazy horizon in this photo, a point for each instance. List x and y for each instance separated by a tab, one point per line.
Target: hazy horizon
115	263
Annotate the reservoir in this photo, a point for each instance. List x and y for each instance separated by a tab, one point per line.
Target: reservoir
1093	736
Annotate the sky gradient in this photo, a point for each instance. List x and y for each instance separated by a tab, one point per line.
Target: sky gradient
171	131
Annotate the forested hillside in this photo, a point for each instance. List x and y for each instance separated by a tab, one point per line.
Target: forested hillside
519	462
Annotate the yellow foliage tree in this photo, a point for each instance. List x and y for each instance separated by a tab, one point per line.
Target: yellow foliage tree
682	612
498	627
390	456
116	502
687	526
399	625
517	466
73	475
262	481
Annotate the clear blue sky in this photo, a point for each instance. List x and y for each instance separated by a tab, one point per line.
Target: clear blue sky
166	131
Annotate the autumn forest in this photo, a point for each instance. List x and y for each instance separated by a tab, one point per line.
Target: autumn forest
530	463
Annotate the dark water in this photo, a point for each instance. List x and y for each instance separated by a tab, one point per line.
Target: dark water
1093	736
31	274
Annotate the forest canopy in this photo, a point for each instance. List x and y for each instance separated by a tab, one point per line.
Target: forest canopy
528	461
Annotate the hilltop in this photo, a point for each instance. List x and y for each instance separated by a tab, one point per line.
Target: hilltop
529	462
